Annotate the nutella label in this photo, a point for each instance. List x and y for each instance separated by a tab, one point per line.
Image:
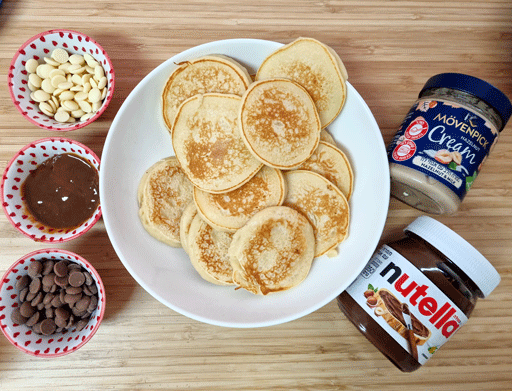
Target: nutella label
406	304
445	141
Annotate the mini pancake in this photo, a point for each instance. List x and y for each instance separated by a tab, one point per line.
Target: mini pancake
273	252
207	142
330	162
213	73
323	204
186	219
230	211
316	67
163	193
279	123
326	136
208	251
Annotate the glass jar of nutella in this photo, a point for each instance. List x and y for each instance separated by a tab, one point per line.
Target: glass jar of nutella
444	140
416	292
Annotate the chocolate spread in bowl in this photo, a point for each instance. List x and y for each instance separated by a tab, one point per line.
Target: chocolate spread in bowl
62	192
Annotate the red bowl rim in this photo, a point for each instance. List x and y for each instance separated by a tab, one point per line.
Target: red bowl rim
80	124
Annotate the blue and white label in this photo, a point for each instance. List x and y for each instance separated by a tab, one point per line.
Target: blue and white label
445	141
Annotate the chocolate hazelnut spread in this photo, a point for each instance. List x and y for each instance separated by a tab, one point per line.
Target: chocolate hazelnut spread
62	192
437	273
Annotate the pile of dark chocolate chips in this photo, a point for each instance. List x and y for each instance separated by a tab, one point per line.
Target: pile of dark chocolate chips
55	295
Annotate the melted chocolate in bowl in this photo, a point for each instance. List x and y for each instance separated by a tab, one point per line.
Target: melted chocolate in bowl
62	192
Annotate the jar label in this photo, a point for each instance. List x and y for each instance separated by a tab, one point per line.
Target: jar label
444	141
390	287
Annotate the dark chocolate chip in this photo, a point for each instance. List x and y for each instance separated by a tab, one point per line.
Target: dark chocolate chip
35	268
49	279
72	299
33	319
61	268
17	317
23	294
62	313
48	326
23	282
88	278
48	267
61	281
37	300
76	278
27	310
83	303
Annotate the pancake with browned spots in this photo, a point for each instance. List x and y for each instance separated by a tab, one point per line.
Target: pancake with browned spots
323	204
273	252
279	123
316	67
207	142
208	252
330	162
163	193
230	211
213	73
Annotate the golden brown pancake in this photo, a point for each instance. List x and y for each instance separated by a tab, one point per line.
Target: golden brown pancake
230	211
207	141
279	123
208	251
323	204
163	193
316	67
330	162
273	252
187	216
213	73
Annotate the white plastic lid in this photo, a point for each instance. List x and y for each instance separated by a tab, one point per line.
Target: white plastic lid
459	251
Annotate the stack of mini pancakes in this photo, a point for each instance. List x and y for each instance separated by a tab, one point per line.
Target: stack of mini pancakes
257	188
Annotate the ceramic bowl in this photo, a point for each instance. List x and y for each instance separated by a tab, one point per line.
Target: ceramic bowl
19	168
23	337
40	47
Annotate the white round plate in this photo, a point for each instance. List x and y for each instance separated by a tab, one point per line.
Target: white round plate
138	138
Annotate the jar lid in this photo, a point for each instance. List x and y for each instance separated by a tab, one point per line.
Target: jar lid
477	87
459	251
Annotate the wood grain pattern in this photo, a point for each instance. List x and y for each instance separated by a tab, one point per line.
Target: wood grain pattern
390	49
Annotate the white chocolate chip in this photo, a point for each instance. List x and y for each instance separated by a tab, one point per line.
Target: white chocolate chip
41	96
67	87
66	95
77	59
35	80
31	65
46	106
51	61
60	55
102	83
61	116
94	95
58	79
85	106
47	86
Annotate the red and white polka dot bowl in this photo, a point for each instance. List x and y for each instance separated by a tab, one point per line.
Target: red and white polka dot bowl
22	336
41	46
19	168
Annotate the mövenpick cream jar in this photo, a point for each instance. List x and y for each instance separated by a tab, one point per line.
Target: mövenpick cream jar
444	140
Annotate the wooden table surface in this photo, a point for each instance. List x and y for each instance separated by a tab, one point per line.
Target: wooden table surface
390	48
